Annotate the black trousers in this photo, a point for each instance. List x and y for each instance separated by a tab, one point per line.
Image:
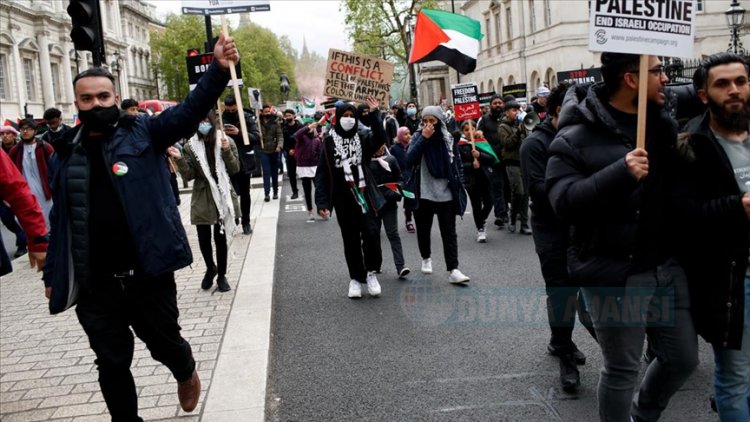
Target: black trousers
307	183
241	185
360	233
149	306
564	298
481	200
423	217
291	171
204	242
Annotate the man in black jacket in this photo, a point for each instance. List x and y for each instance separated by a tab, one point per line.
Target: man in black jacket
489	125
241	180
551	239
116	237
289	128
616	197
714	189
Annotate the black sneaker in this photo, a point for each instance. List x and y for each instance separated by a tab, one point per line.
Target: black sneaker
246	229
295	195
222	284
208	279
275	195
267	198
558	352
500	223
21	251
525	229
570	378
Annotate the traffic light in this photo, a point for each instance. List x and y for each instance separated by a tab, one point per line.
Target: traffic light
192	52
87	25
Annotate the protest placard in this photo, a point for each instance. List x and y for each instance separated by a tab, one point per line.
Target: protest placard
223	7
353	76
485	97
580	76
655	27
466	101
518	91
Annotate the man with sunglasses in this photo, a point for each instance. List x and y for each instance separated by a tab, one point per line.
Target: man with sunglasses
616	198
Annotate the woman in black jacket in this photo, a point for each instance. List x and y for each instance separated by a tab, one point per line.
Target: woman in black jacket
478	162
343	182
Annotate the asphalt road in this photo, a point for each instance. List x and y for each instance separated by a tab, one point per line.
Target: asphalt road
426	350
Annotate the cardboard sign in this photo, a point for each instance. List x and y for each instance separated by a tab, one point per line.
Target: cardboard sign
352	76
197	65
518	91
580	76
466	101
654	27
485	97
223	7
256	99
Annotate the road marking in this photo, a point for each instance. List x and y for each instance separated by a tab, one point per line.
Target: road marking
295	208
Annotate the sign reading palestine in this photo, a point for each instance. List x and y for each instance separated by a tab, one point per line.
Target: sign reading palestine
466	101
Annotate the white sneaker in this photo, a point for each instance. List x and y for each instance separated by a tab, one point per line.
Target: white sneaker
373	287
481	236
457	277
427	266
310	217
355	290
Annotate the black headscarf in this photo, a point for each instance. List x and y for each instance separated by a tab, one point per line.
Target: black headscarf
361	108
337	126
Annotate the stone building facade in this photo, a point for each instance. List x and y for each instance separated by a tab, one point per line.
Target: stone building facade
531	40
38	60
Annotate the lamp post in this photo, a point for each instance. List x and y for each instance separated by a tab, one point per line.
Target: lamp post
412	77
115	65
736	19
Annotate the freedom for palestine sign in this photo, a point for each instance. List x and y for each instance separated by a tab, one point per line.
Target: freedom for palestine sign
655	27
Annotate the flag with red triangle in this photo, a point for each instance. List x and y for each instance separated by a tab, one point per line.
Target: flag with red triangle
447	37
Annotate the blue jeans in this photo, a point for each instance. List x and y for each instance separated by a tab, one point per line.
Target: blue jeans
270	164
732	375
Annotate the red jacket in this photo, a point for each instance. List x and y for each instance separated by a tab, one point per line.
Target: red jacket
15	191
43	151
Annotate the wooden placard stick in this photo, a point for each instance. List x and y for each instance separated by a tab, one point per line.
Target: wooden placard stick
642	101
235	87
473	145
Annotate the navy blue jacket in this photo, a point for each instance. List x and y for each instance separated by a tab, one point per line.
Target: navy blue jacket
149	205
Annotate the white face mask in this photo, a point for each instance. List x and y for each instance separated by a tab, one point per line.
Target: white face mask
347	123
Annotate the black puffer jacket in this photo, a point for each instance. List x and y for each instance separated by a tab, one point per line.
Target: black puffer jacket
534	156
620	225
714	251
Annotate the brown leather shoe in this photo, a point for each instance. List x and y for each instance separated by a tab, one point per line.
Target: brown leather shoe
188	392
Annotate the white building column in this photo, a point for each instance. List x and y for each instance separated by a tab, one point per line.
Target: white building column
20	79
67	88
48	92
82	63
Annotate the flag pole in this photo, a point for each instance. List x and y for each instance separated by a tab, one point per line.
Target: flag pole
458	75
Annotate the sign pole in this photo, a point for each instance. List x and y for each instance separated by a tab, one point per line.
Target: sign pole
642	98
235	87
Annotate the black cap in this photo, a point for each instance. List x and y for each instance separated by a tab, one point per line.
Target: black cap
509	105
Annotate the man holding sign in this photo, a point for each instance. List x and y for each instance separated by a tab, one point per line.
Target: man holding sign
614	196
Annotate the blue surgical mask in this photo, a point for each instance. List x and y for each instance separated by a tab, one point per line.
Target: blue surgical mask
411	111
204	128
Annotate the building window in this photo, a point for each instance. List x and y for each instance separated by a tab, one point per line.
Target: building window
28	74
499	29
508	24
547	13
699	5
532	15
3	77
55	71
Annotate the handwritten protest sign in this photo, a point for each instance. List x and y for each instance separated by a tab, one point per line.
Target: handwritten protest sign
352	76
655	27
466	101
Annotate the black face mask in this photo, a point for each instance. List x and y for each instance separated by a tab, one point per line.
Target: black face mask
99	118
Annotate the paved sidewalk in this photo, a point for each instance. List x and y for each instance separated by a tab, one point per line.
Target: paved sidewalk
47	369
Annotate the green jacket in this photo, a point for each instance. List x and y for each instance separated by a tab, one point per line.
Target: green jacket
202	207
511	136
273	136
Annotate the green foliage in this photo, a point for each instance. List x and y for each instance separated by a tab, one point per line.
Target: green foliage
378	28
263	56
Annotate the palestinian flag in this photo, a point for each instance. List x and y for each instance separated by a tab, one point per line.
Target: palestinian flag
447	37
309	103
482	145
396	187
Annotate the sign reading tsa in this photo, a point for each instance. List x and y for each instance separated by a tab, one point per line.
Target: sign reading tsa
654	27
466	101
352	76
223	7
